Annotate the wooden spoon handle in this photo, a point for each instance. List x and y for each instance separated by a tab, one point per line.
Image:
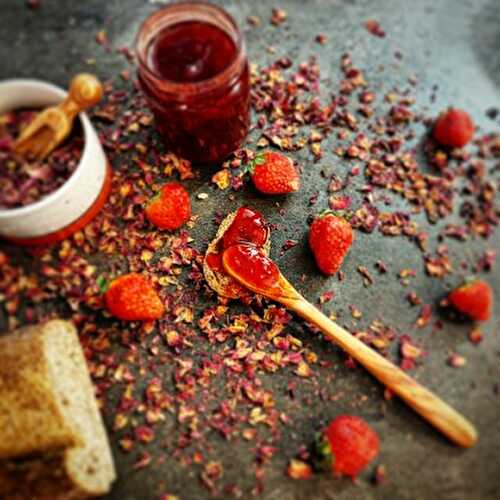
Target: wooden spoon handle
426	403
85	91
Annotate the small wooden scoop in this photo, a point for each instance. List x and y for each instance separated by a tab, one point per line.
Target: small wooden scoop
49	128
252	269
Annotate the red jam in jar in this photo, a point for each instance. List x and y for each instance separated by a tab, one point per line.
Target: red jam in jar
193	71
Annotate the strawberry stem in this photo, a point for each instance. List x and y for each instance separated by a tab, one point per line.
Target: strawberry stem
322	456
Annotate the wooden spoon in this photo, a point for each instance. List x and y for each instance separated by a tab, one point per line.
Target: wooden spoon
50	127
252	269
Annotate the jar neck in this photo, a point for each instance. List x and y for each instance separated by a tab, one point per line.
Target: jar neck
178	13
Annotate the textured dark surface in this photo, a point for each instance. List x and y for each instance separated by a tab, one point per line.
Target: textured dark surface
454	44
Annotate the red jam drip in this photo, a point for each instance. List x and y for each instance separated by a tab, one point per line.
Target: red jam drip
214	261
248	227
191	51
253	268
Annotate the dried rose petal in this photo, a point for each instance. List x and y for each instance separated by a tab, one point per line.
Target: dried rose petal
339	202
278	16
456	360
475	336
374	28
297	469
25	181
380	474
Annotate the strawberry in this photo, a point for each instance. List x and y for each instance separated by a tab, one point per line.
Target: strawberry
346	446
330	238
274	173
453	128
170	208
474	299
131	297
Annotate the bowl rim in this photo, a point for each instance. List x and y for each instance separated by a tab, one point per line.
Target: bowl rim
48	199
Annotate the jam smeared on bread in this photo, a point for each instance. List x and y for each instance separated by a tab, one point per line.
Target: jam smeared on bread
248	226
245	226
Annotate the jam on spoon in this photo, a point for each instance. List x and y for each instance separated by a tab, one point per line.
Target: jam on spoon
253	269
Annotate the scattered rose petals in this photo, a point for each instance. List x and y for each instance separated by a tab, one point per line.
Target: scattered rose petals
23	182
374	28
475	336
380	476
297	469
326	297
425	316
101	38
278	16
456	360
339	202
222	179
321	39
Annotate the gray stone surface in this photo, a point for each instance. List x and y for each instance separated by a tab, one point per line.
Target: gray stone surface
452	43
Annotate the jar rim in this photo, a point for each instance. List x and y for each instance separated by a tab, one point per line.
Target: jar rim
186	10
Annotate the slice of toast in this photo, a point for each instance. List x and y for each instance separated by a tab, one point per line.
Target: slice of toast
54	444
221	282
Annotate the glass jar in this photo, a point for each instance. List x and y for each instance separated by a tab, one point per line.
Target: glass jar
193	71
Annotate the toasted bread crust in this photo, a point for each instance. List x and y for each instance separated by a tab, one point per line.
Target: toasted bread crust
221	283
50	364
31	417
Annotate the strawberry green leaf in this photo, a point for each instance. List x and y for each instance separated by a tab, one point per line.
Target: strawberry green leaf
468	280
323	458
258	160
154	198
102	283
342	214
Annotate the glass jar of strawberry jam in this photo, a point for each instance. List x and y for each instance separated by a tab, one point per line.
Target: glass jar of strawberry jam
193	70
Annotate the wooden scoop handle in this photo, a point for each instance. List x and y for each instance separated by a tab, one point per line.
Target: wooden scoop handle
456	427
85	91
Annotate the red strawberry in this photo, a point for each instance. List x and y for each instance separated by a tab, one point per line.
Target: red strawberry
453	128
274	173
330	238
474	299
347	446
170	208
131	297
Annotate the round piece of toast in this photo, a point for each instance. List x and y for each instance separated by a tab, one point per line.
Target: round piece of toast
220	282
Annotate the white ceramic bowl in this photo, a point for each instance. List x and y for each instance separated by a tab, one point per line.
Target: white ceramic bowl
46	219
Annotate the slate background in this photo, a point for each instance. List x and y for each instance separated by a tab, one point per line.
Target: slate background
452	43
